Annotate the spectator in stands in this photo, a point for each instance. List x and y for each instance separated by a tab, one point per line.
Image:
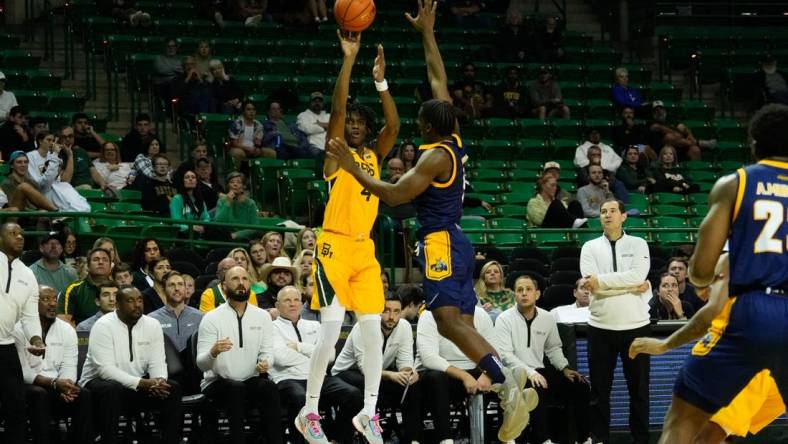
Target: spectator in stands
773	83
412	297
49	270
199	151
554	168
189	205
630	133
84	174
105	301
188	283
666	305
306	239
407	154
399	388
620	262
213	296
21	191
7	98
623	95
202	60
227	94
594	157
395	168
113	172
50	168
512	42
145	252
665	176
249	11
632	173
158	190
121	274
273	243
307	289
493	296
278	274
576	312
236	375
679	136
14	133
286	139
178	321
471	97
678	266
191	94
208	183
243	259
142	169
70	249
124	347
236	206
37	124
524	334
318	10
125	11
137	141
511	96
314	122
467	13
85	136
546	210
106	243
295	339
257	255
448	373
78	302
545	97
597	191
165	67
547	42
155	296
51	388
246	135
303	262
609	161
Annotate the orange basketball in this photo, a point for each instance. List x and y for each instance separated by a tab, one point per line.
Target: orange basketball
354	15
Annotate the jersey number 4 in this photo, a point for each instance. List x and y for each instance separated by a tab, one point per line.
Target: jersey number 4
365	192
774	214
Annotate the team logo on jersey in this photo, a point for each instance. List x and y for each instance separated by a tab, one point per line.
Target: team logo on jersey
439	266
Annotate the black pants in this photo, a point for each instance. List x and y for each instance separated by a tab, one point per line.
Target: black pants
12	395
603	348
389	395
441	390
235	397
44	403
558	216
570	393
346	399
111	399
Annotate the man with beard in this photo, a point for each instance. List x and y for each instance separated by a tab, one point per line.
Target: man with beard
235	349
77	303
398	381
314	122
213	296
50	270
126	370
178	320
277	275
50	382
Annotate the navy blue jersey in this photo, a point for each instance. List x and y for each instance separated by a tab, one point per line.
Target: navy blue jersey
439	207
759	232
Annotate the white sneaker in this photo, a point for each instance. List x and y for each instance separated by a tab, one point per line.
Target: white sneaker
579	222
253	20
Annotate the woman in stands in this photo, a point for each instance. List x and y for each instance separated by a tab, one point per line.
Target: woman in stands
305	240
142	168
202	57
109	166
665	175
257	255
273	243
407	154
244	260
144	253
632	172
108	244
666	304
237	207
189	205
154	297
303	263
70	249
545	211
493	296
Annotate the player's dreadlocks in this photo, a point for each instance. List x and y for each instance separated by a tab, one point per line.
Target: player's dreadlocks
368	115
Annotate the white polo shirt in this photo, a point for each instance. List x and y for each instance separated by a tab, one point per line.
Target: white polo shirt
18	300
60	359
571	314
293	364
438	353
397	350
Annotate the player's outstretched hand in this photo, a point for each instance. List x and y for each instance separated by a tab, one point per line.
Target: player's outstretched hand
339	151
424	22
379	70
350	42
649	346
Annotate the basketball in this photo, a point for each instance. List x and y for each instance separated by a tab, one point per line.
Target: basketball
354	15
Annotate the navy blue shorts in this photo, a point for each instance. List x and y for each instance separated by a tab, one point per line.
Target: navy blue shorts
749	335
447	259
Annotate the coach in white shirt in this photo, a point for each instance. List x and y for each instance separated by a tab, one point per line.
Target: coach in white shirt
399	376
615	267
576	313
448	373
234	349
125	346
524	334
294	341
18	303
51	381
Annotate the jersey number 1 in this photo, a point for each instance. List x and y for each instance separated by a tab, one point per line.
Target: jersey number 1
774	214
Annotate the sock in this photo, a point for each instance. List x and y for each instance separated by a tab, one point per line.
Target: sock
447	441
493	367
329	333
372	345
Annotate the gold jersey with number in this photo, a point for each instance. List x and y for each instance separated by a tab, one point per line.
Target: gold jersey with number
351	209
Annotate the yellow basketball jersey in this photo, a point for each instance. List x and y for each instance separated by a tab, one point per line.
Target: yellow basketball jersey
351	209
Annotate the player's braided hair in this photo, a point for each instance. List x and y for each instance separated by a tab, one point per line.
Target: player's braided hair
767	130
440	115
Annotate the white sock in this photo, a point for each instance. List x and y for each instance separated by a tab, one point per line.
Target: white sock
447	441
372	345
329	333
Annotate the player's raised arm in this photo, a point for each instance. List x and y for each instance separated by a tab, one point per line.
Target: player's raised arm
387	136
350	44
424	23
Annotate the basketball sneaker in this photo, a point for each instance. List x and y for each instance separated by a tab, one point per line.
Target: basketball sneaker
515	402
369	427
308	424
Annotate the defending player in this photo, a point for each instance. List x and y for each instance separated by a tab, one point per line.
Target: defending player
754	407
435	185
750	207
345	271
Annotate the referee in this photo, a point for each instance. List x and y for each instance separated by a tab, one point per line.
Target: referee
614	268
18	302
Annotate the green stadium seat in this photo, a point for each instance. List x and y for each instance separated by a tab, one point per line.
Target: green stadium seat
42	80
490	164
573	91
515	211
567	129
505	239
730	130
498	149
534	129
729	166
702	176
568	72
668	222
701	129
489	198
9	41
698	198
595	223
472	222
130	195
489	175
697	110
214	127
515	198
521	164
506	223
600	108
477	238
732	151
532	149
695	222
700	210
521	187
670	210
672	237
698	165
19	59
585	236
668	198
525	175
476	211
487	187
635	222
637	199
564	149
664	91
64	101
125	207
602	73
31	99
604	126
598	91
501	128
539	238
